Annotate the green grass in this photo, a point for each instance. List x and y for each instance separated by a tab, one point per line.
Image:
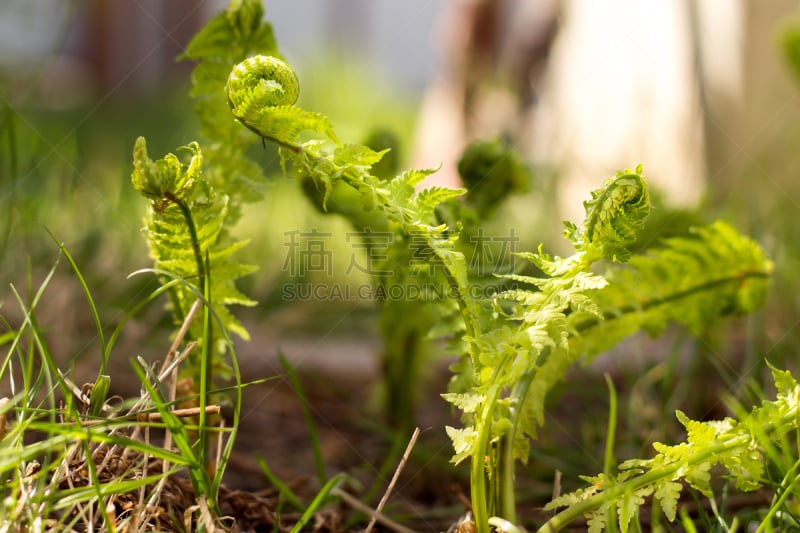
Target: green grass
72	464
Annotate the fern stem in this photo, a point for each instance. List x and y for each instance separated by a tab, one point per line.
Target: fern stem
508	501
478	460
206	356
611	432
464	304
615	492
647	305
198	256
205	384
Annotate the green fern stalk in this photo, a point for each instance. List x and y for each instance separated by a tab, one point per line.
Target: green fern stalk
183	226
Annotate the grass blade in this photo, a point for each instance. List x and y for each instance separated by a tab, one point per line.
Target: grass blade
284	490
88	293
318	501
197	471
319	460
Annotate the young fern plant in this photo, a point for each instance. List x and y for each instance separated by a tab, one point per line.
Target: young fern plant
522	344
183	225
517	359
574	313
741	446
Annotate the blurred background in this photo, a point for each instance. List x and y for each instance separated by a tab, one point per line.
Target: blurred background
696	91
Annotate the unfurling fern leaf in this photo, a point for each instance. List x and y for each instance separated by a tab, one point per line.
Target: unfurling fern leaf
738	446
615	213
308	142
228	38
182	227
261	93
693	280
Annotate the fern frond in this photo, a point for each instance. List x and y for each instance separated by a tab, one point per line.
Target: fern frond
736	445
238	31
614	214
693	281
261	92
252	88
175	189
228	38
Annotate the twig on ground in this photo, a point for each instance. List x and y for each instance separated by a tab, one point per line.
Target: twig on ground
396	475
155	417
366	509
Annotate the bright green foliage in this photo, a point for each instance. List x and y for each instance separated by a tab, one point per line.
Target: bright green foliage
517	360
574	312
343	175
228	38
306	140
693	280
614	215
211	201
183	226
261	92
521	346
738	446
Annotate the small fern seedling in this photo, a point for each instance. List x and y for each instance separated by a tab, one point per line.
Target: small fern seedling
182	227
740	446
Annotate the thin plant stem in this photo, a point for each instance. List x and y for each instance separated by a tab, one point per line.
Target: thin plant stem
392	483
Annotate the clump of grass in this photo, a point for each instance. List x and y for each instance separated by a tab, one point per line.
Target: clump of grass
74	459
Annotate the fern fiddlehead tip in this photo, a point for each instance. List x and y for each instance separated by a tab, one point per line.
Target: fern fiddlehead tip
261	81
614	214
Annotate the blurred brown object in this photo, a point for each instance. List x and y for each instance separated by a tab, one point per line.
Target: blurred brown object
585	88
493	56
133	46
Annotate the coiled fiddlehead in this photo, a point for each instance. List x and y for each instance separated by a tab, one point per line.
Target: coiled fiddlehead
261	92
183	225
264	79
614	215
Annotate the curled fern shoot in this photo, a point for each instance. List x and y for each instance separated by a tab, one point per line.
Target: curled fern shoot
614	214
183	224
261	92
